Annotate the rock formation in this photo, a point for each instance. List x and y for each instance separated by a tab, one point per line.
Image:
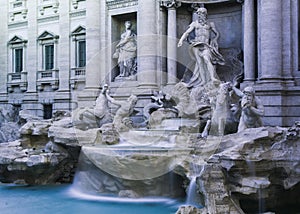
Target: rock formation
9	123
253	171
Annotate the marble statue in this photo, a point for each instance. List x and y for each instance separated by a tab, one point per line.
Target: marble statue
251	108
159	100
203	50
126	52
93	117
221	111
125	108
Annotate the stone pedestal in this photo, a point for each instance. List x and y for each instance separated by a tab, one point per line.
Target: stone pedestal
275	85
281	104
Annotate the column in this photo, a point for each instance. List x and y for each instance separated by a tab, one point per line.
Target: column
271	40
147	44
249	41
172	40
93	44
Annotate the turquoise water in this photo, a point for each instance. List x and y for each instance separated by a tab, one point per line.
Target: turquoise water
62	199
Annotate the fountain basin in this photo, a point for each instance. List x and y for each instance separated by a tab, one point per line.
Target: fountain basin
135	163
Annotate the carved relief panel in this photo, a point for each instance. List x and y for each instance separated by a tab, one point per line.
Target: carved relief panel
48	7
18	10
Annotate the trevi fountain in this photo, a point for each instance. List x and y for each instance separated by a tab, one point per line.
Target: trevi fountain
196	146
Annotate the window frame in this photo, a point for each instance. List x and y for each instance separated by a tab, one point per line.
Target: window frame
80	62
17	43
18	60
48	60
47	39
78	36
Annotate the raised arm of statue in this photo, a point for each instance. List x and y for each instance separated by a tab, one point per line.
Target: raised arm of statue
185	34
112	100
237	91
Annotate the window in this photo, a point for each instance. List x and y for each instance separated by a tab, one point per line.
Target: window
49	57
78	49
47	111
81	51
18	60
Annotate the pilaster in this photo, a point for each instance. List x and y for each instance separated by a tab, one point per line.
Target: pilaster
93	62
30	100
3	48
64	44
32	53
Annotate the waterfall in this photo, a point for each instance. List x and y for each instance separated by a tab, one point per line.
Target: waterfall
192	194
252	172
193	197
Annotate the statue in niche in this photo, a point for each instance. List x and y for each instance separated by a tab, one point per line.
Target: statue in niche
251	108
203	50
126	52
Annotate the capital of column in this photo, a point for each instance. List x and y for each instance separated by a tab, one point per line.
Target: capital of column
170	4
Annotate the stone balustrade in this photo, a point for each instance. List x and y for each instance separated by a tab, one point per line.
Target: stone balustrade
18	79
47	77
77	75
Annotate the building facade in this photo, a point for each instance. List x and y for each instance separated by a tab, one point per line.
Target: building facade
43	54
56	54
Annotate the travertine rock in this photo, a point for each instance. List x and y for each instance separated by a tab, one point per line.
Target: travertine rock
252	167
128	194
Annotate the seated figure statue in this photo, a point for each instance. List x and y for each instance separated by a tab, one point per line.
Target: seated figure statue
251	107
203	50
